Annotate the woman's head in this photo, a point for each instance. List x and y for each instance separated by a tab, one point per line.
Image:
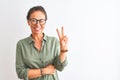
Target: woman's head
36	8
36	18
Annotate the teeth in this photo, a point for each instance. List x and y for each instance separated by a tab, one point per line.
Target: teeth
37	28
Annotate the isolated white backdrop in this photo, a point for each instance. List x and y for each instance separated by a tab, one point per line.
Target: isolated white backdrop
93	28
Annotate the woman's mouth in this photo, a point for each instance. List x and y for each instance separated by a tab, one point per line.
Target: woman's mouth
37	29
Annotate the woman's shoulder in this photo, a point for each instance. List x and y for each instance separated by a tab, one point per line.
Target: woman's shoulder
25	40
51	38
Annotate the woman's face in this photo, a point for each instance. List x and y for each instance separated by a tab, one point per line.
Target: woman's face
37	22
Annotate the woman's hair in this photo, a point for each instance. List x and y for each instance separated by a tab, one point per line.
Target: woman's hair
36	8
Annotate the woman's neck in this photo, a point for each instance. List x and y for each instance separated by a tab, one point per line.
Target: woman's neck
37	37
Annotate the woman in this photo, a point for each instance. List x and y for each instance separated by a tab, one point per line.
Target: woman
38	57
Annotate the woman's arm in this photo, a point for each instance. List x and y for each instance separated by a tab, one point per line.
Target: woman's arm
61	49
34	73
62	56
63	44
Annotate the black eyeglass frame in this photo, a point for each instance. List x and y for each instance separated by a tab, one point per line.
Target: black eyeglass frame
35	21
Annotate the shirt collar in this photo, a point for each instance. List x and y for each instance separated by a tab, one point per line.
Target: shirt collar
30	39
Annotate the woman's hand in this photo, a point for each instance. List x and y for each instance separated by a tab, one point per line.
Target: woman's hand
63	39
50	69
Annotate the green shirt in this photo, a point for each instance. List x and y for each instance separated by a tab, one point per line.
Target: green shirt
28	57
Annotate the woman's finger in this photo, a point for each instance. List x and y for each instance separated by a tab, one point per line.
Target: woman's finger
62	31
58	33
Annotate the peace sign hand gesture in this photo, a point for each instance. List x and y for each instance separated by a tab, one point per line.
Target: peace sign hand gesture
63	40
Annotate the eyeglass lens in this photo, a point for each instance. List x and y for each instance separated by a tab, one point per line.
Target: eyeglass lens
35	21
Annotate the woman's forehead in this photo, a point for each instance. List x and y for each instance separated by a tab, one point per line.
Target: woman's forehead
38	15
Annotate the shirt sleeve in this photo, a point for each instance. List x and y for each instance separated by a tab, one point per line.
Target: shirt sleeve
57	62
21	69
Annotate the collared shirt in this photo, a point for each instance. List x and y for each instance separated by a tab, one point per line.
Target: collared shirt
28	57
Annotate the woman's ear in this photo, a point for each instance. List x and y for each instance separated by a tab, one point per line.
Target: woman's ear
28	22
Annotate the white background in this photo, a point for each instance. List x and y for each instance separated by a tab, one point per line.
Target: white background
93	28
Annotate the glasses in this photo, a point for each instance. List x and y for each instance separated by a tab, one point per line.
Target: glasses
35	21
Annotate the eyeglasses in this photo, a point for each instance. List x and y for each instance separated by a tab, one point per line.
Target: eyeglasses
35	21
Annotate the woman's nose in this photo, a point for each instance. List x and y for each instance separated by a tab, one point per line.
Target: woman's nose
38	24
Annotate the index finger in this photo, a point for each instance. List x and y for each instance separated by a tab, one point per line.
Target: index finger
58	33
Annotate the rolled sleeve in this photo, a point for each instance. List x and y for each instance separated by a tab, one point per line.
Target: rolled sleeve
60	65
22	73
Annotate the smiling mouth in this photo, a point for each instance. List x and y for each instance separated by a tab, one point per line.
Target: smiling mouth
37	29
